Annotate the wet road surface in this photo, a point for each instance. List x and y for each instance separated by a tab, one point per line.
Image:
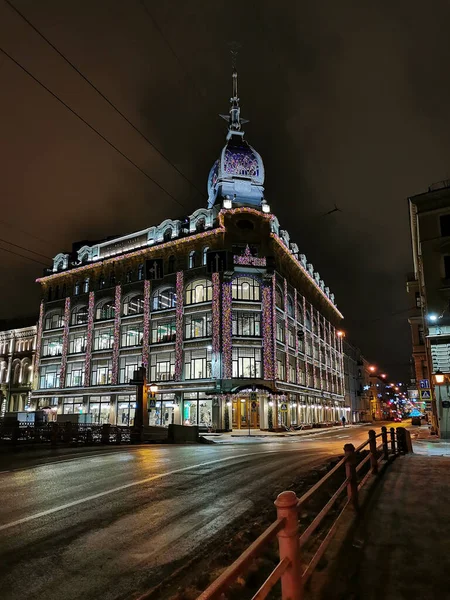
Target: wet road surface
107	525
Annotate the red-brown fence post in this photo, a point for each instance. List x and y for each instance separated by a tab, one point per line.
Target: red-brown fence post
289	546
384	438
373	451
350	472
392	430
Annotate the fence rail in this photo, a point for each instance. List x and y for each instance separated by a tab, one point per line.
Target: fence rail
293	569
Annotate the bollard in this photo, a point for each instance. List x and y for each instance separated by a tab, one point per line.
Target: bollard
384	439
105	433
402	440
409	447
289	546
350	472
373	451
392	430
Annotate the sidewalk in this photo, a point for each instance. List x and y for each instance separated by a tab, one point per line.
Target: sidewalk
428	445
401	549
257	435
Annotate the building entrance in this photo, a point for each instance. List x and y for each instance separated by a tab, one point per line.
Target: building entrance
246	412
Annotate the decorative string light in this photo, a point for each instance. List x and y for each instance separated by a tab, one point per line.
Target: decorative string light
227	327
89	334
146	328
37	357
274	326
216	315
65	343
179	327
286	330
115	355
267	333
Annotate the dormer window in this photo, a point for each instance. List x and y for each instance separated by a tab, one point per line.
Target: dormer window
167	234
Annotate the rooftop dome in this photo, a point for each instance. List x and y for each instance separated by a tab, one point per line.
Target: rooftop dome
239	172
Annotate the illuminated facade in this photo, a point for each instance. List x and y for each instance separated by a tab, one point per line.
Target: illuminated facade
232	323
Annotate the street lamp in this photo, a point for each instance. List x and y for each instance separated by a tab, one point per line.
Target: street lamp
439	376
372	369
153	389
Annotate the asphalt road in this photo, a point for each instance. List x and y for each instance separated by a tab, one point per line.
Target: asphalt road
110	524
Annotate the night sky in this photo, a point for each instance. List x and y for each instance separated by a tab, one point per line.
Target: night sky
347	101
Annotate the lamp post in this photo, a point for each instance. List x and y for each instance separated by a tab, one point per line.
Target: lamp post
438	380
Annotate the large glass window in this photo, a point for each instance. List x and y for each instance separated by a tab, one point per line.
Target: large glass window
101	372
290	306
300	310
246	288
132	335
77	342
281	366
198	291
280	331
127	367
103	338
99	408
246	323
54	320
292	369
79	315
246	362
163	330
105	311
291	337
197	409
197	325
49	376
73	406
126	408
162	414
162	366
197	363
75	374
52	346
133	305
279	298
163	299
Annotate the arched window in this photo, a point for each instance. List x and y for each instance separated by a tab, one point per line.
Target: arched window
79	315
198	291
86	285
300	310
192	259
308	320
3	371
141	272
164	298
314	325
167	234
54	320
200	225
246	288
105	310
205	255
290	306
16	373
112	279
129	276
133	305
171	264
76	288
25	368
279	298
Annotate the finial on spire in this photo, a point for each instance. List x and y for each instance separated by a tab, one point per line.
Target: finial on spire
234	117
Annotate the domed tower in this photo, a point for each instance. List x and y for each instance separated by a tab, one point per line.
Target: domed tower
238	175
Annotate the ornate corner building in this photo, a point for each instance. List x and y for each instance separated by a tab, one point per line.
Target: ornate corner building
232	323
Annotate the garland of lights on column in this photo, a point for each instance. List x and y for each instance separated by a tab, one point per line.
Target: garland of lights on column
65	343
115	356
297	358
179	327
146	329
274	326
227	326
90	328
39	338
267	332
216	315
286	330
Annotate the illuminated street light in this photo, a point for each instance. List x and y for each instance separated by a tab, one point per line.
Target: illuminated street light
372	369
439	377
340	334
153	389
433	317
383	375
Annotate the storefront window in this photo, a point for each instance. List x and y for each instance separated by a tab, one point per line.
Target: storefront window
197	409
72	406
127	366
162	414
99	408
101	372
126	408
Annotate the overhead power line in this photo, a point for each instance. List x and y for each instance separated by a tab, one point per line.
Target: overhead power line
102	95
26	233
39	262
26	249
91	127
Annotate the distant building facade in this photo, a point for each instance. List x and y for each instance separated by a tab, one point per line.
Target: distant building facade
357	383
17	363
229	319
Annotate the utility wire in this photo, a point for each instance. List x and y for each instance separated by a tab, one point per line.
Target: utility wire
102	95
91	127
22	256
26	249
26	233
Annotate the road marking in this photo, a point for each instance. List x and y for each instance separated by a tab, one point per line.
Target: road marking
340	437
126	486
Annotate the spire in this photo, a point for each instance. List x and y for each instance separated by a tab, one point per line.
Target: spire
234	117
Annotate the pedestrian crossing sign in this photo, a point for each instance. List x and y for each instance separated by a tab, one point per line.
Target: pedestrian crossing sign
425	394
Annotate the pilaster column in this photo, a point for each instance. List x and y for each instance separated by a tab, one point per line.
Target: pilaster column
216	326
297	359
89	334
65	344
179	327
227	330
39	339
268	337
115	356
274	327
146	328
286	330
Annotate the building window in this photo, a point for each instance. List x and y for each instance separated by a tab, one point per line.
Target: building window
280	332
53	321
421	335
163	299
197	325
77	288
132	335
197	409
418	300
101	372
291	337
129	276
246	288
290	306
167	236
279	298
104	338
86	286
200	225
77	343
49	376
308	320
127	366
105	311
192	259
198	291
72	406
171	264
197	364
445	225
300	311
204	255
281	366
75	374
163	330
99	408
126	407
292	369
79	315
162	366
52	346
246	323
133	305
246	363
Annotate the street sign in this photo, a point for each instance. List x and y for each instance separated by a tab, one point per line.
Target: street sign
152	403
253	396
425	394
283	407
424	384
254	406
